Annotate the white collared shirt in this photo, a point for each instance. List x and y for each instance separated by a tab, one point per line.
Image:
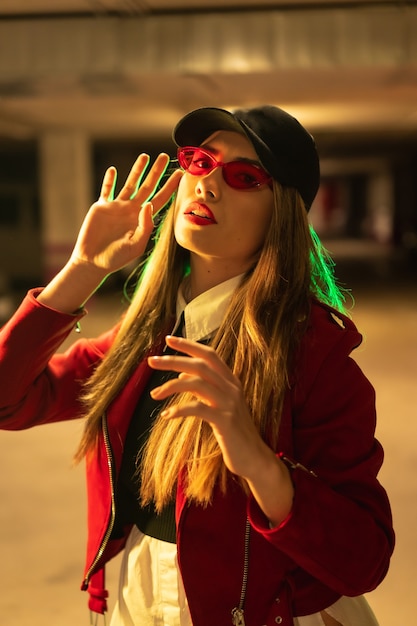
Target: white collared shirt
204	314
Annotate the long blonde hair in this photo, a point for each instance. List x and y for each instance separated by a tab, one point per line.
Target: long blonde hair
257	340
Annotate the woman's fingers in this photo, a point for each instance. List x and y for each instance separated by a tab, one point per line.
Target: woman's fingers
150	209
200	388
108	184
201	373
192	348
204	361
145	220
134	187
160	199
141	192
191	409
134	177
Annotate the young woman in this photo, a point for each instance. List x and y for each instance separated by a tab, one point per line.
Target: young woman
229	435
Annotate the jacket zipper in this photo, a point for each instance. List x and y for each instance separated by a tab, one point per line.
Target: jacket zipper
106	537
238	617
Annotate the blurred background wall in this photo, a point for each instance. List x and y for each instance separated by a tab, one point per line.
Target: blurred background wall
86	84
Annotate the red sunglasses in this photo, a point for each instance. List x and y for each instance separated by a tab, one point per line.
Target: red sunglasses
241	175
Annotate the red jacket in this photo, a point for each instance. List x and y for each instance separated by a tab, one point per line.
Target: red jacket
338	538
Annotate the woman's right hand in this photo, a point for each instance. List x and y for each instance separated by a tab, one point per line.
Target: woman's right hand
116	230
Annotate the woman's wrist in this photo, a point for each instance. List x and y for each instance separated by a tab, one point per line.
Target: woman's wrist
273	489
70	289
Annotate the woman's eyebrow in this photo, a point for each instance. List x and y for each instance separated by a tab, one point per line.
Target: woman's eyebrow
216	152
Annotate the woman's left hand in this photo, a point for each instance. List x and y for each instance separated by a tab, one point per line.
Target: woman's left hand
219	400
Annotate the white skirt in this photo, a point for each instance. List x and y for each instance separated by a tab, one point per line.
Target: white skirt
151	592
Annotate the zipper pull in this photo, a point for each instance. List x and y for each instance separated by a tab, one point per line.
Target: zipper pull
237	617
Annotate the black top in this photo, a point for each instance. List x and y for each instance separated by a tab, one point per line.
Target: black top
128	509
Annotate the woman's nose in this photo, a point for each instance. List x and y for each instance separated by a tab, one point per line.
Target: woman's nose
209	186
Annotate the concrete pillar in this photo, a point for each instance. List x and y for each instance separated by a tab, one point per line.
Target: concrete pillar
380	206
66	194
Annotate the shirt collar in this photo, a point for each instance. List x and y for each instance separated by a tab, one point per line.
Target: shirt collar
204	314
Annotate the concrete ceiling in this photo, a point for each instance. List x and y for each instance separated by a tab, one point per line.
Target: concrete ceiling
130	68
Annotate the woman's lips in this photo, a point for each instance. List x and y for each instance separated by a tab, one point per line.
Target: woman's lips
199	214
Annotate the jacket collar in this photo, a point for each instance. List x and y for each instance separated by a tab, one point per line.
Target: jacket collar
204	314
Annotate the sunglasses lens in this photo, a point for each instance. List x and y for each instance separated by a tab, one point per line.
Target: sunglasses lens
196	161
241	175
237	174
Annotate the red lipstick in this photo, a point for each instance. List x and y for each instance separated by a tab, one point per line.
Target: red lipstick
199	214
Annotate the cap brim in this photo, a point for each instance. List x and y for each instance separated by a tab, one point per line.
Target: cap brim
197	126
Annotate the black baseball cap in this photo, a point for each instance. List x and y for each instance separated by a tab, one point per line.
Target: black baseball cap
285	148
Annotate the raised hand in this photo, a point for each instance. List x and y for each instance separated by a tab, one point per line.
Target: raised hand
116	230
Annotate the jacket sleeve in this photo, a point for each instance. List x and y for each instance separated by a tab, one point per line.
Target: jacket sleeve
37	385
340	528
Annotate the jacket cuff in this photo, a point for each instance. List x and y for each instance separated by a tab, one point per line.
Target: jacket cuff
33	294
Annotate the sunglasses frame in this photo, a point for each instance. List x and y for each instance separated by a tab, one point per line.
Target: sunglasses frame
266	178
